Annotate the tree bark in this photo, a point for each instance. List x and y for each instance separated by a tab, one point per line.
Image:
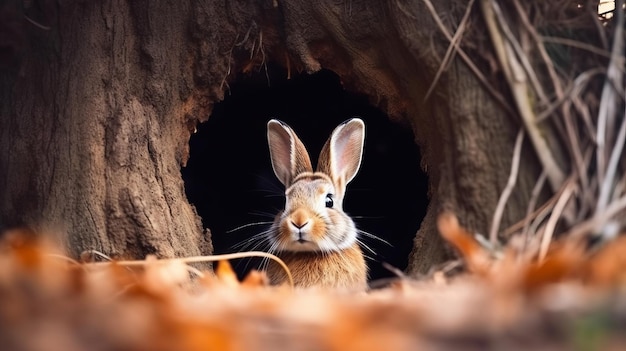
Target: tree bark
95	125
94	130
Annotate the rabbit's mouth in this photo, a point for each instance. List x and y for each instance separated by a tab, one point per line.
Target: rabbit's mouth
303	237
303	242
300	245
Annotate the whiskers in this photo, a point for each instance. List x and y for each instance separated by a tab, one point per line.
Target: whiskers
370	235
272	249
248	226
256	242
367	248
259	241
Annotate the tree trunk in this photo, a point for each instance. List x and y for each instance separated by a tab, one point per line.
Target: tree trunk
95	124
94	130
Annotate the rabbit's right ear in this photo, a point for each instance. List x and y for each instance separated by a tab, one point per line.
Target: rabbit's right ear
288	154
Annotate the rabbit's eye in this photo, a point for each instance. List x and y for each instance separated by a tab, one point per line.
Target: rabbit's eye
329	200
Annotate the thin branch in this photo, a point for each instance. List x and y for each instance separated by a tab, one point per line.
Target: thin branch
64	258
595	222
569	190
195	271
36	24
531	205
574	145
607	110
579	45
506	193
96	253
523	60
570	92
616	155
588	186
519	89
198	259
620	188
499	97
554	78
454	44
531	211
536	228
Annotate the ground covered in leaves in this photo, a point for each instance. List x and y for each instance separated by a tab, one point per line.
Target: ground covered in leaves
573	299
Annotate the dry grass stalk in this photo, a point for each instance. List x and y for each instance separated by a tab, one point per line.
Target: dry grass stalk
517	79
586	122
497	217
465	57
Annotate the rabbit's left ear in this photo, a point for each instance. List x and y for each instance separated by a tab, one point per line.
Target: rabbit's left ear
341	156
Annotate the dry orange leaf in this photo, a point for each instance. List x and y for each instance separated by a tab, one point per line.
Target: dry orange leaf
476	257
226	274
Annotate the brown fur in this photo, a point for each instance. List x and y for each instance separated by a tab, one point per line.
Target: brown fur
335	266
344	269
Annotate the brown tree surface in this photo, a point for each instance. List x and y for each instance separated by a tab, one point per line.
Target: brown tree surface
99	99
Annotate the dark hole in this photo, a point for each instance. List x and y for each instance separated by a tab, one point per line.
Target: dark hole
229	178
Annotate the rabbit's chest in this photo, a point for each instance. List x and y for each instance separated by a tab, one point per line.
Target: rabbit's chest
345	269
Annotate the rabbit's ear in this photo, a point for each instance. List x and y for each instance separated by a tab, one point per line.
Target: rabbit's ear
288	154
341	156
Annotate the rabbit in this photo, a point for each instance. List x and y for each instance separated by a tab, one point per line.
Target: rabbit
313	235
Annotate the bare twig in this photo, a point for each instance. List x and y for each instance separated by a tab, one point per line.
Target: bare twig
454	43
521	56
36	24
569	190
545	207
570	92
467	60
591	225
580	45
198	259
620	188
195	271
554	78
506	193
65	258
538	227
96	253
609	102
531	206
517	81
588	186
611	171
574	145
398	272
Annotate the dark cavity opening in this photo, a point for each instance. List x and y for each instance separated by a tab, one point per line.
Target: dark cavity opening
229	178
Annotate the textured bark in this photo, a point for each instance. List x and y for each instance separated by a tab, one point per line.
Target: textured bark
96	123
94	131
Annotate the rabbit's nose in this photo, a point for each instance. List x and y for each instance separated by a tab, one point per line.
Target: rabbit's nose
299	219
299	226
